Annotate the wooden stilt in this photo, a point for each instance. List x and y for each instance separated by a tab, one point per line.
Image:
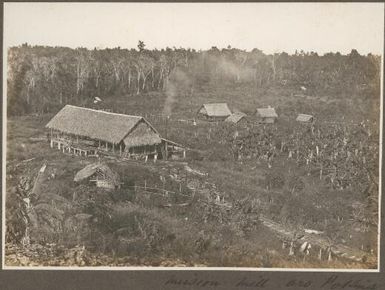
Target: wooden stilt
120	150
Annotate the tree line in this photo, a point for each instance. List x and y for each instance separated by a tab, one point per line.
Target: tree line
42	79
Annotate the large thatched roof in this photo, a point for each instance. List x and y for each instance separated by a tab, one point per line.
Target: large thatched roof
215	110
95	124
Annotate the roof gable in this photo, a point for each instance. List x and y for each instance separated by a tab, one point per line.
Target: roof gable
142	134
100	125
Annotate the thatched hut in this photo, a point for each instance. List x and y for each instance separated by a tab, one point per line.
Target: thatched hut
304	118
99	173
85	131
214	111
266	115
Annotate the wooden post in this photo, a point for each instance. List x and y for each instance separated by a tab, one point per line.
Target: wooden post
120	150
113	147
77	139
106	146
184	154
145	184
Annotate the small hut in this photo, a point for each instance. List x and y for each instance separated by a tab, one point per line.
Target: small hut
304	118
214	111
266	115
237	117
99	173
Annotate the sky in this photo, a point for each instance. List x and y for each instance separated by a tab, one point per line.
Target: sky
271	27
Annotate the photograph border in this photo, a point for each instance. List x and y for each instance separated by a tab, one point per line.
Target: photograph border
139	276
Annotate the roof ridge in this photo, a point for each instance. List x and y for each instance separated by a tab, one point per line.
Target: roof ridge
100	111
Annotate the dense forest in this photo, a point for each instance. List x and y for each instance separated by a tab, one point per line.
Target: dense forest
41	79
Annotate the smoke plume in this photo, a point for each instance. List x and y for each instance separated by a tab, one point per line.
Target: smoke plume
178	83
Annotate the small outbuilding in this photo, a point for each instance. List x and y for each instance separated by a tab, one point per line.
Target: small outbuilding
214	111
304	118
266	115
101	174
173	150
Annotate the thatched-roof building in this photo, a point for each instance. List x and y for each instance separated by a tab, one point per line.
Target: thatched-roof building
99	173
236	118
214	111
266	115
304	118
87	131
